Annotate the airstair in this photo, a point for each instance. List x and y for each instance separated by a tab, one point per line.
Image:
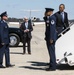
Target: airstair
65	46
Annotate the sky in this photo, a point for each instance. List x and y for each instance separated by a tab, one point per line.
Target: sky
15	8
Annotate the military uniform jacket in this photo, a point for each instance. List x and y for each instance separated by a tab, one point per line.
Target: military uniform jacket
51	29
4	32
24	28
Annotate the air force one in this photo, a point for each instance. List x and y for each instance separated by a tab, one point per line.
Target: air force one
65	47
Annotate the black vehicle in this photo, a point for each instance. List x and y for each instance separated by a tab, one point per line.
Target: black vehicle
15	36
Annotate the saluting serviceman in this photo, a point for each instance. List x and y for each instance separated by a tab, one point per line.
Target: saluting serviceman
27	28
4	41
50	37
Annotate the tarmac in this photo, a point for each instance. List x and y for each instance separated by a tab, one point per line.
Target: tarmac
34	64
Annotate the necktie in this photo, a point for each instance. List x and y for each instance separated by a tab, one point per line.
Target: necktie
26	24
62	14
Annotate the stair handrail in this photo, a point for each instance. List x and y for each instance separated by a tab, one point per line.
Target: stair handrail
66	29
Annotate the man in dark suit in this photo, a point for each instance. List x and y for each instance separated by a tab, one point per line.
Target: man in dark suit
27	28
50	37
61	19
4	41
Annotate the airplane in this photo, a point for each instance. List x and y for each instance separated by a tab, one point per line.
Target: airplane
65	46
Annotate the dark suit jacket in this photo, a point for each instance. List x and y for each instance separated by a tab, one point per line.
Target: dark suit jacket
59	22
22	27
4	32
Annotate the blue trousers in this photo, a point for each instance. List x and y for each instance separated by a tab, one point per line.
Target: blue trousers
51	51
5	50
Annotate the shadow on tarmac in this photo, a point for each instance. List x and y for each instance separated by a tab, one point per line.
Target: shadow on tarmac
15	53
38	66
15	46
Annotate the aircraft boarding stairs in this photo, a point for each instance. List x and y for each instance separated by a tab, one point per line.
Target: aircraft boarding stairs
65	46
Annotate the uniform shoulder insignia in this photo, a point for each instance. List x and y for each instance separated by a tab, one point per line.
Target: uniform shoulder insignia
52	22
1	21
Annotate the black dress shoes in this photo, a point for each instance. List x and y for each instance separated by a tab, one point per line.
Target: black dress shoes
29	53
23	53
47	63
49	69
10	65
1	66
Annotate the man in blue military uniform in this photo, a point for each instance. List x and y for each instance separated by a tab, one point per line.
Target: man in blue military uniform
50	38
4	41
